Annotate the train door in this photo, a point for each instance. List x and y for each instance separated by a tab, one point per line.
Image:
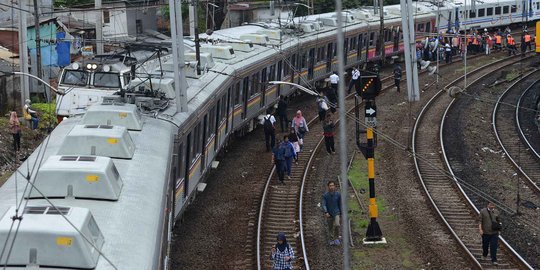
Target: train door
369	44
345	50
204	142
311	63
359	47
263	85
329	55
217	117
187	164
245	95
395	36
227	111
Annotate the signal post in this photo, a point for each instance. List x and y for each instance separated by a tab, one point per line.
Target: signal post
370	88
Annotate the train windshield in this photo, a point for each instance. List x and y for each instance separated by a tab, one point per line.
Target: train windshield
75	77
107	79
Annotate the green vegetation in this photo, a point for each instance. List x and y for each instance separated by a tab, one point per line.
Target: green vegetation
71	3
47	115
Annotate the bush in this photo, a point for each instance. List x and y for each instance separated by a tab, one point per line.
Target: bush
47	114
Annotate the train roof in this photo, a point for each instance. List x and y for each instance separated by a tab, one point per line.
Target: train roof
129	224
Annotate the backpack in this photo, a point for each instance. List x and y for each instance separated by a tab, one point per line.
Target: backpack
268	127
26	114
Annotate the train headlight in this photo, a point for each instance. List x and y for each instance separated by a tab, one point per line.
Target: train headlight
94	66
88	66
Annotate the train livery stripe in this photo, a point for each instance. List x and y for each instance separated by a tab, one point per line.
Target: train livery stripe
179	188
254	100
210	144
195	166
271	91
237	110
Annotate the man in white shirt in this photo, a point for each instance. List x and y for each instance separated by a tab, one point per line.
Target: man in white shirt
269	131
332	92
334	80
354	81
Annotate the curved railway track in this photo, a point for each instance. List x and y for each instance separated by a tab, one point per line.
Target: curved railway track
450	202
506	125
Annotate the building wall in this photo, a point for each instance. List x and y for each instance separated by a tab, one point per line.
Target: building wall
10	99
8	38
147	17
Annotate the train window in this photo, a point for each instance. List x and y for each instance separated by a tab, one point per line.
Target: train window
481	12
353	43
489	11
199	138
246	87
181	161
346	45
537	5
279	66
322	54
420	27
428	27
506	9
212	121
303	60
497	10
335	49
264	73
286	68
329	50
272	73
472	14
371	38
293	62
224	107
237	94
513	8
254	84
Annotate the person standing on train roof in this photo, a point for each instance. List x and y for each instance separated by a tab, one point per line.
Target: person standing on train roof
331	206
354	80
489	225
282	113
278	158
289	154
269	130
282	254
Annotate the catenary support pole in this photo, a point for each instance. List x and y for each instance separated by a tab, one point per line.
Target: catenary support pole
177	34
99	28
23	52
38	47
410	50
342	137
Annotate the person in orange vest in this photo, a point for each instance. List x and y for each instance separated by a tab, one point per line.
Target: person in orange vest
511	45
498	42
528	40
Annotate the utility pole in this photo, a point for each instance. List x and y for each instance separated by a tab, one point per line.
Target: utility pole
192	19
177	39
410	50
99	28
381	32
38	46
194	4
23	52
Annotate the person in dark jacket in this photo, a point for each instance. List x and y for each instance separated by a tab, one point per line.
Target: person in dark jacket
331	205
328	133
282	113
397	76
293	138
278	157
490	235
289	154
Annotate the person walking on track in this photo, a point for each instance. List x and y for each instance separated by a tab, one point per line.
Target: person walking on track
269	131
332	91
15	130
278	157
322	106
282	254
354	80
328	133
293	138
282	113
331	205
397	76
289	155
489	225
299	125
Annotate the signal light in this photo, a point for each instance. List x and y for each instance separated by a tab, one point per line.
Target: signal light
370	86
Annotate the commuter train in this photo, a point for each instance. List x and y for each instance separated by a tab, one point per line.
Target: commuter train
104	190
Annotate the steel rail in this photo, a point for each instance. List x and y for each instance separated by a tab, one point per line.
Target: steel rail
496	129
519	123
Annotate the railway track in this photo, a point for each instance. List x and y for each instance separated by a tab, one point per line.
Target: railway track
506	125
450	202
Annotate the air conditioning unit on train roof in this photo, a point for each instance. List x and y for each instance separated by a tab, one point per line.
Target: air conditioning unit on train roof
218	51
102	140
307	27
274	34
347	18
90	177
329	21
258	39
46	239
363	15
115	114
206	59
240	46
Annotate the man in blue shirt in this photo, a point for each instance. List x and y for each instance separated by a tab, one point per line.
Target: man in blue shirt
331	205
278	156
